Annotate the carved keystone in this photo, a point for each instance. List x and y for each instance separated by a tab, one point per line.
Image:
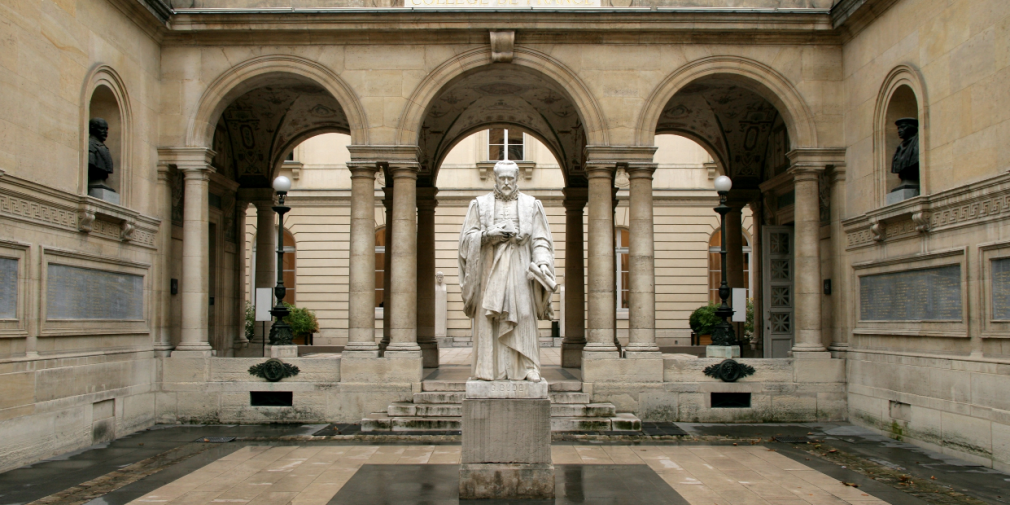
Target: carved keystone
502	44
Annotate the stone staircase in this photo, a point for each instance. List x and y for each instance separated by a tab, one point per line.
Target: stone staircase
439	407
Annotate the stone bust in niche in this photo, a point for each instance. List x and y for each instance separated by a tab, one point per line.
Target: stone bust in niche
99	161
905	162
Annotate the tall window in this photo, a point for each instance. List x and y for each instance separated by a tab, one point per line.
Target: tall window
621	239
715	267
380	264
289	267
505	144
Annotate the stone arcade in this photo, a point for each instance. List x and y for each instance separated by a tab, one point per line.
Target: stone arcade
124	308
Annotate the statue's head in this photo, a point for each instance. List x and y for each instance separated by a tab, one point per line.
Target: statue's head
98	128
439	278
908	127
506	173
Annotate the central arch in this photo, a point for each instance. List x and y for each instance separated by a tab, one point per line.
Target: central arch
533	63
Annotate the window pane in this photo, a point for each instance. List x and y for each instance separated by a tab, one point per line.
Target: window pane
516	152
515	138
496	136
380	264
625	289
496	153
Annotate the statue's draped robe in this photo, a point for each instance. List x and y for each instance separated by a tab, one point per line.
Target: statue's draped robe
99	160
499	297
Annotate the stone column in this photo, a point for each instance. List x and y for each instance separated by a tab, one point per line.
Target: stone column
602	311
839	281
387	259
403	274
575	279
642	275
361	303
266	270
163	304
807	223
195	262
426	276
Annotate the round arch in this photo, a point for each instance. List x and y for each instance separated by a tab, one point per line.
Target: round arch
901	76
105	76
468	62
760	78
293	142
247	75
472	131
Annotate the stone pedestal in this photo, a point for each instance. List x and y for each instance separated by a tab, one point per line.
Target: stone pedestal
506	441
901	194
722	351
284	351
106	194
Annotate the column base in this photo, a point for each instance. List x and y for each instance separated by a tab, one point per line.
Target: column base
594	351
429	353
352	353
184	353
571	354
163	350
811	354
637	351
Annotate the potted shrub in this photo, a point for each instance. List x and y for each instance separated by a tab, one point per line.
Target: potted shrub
703	320
303	323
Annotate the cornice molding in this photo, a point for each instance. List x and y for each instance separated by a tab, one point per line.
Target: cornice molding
851	17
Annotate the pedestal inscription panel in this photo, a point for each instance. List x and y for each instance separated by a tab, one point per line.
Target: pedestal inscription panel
8	288
1001	289
931	294
85	293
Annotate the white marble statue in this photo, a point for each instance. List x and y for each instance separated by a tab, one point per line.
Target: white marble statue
506	276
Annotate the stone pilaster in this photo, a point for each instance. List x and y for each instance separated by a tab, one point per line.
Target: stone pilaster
163	298
840	281
426	276
575	279
361	303
642	275
241	206
403	274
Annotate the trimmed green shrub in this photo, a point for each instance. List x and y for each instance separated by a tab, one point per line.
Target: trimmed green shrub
703	320
303	321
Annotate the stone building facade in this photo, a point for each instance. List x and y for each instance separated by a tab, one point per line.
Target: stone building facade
116	316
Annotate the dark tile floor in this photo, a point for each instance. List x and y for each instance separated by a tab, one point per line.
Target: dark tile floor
439	485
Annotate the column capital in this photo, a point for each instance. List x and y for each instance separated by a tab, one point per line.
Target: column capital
186	158
837	174
601	170
383	154
817	157
575	198
403	169
619	154
426	198
365	169
638	170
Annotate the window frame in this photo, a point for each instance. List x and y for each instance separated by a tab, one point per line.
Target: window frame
505	146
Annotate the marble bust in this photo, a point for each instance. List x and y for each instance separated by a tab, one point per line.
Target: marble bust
99	158
506	277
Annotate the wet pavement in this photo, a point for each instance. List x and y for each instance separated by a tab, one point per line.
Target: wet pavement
781	464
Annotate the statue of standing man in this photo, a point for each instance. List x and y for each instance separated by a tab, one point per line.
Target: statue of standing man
506	276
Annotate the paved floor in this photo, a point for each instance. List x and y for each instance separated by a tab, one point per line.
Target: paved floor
313	475
714	464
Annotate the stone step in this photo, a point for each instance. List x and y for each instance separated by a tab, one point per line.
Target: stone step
580	424
566	387
626	422
434	386
378	421
427	423
583	410
406	409
462	344
567	397
441	397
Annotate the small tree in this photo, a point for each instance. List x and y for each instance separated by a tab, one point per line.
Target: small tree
250	321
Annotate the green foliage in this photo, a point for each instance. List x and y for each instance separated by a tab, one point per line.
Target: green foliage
302	321
250	321
703	320
748	326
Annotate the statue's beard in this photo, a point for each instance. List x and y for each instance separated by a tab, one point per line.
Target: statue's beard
505	192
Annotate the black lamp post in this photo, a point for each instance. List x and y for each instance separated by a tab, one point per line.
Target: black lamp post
280	332
723	333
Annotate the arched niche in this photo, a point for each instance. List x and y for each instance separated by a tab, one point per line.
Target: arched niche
901	96
105	97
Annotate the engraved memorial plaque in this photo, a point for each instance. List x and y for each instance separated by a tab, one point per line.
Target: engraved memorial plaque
85	293
8	288
931	294
1001	289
